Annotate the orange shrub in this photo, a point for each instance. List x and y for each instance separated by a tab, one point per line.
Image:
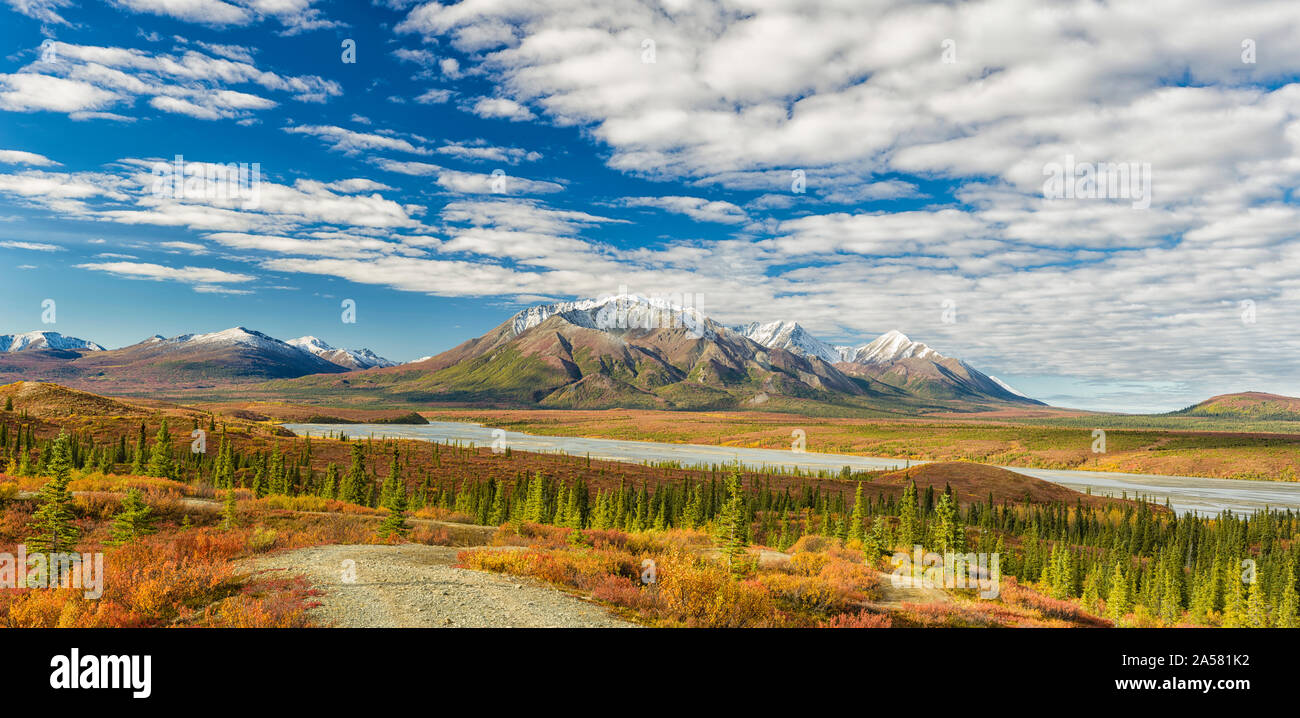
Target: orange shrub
699	594
806	563
861	619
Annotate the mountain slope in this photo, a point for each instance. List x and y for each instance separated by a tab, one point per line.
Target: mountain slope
346	358
791	337
894	360
614	352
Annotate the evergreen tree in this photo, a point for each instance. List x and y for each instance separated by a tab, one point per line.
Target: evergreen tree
499	513
394	498
1288	604
331	481
53	520
1118	603
229	511
354	487
133	521
859	515
535	508
1256	606
908	525
161	463
730	532
946	534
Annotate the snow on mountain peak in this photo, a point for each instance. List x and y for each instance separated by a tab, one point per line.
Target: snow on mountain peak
350	358
791	337
892	346
310	342
44	340
620	311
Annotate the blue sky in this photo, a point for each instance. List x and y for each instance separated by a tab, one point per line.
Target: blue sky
655	146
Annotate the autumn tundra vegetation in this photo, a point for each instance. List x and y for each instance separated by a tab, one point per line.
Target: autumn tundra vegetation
662	545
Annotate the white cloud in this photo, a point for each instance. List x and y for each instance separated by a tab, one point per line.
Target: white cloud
19	157
86	81
295	15
158	272
433	97
33	246
31	92
483	151
499	108
698	209
44	10
470	182
351	142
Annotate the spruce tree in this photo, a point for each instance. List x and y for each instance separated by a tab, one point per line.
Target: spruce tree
229	511
161	463
1118	603
133	521
354	487
535	508
331	482
394	497
908	525
859	515
730	531
53	520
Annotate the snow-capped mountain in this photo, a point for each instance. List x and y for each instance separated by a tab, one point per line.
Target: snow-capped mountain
892	359
892	346
346	358
232	337
792	337
622	311
44	340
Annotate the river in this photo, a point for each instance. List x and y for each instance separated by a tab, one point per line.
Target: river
1183	493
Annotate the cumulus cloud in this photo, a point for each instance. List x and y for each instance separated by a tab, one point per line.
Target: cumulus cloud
32	246
352	142
19	157
470	182
92	82
499	108
159	272
698	209
47	11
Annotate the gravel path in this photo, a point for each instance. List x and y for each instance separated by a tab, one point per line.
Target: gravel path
417	586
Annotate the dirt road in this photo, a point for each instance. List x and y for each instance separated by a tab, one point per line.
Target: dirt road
417	586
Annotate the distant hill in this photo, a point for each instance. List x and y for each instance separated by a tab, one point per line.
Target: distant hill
1250	405
975	482
45	400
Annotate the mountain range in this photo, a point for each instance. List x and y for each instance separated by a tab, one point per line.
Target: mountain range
624	351
633	352
235	355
